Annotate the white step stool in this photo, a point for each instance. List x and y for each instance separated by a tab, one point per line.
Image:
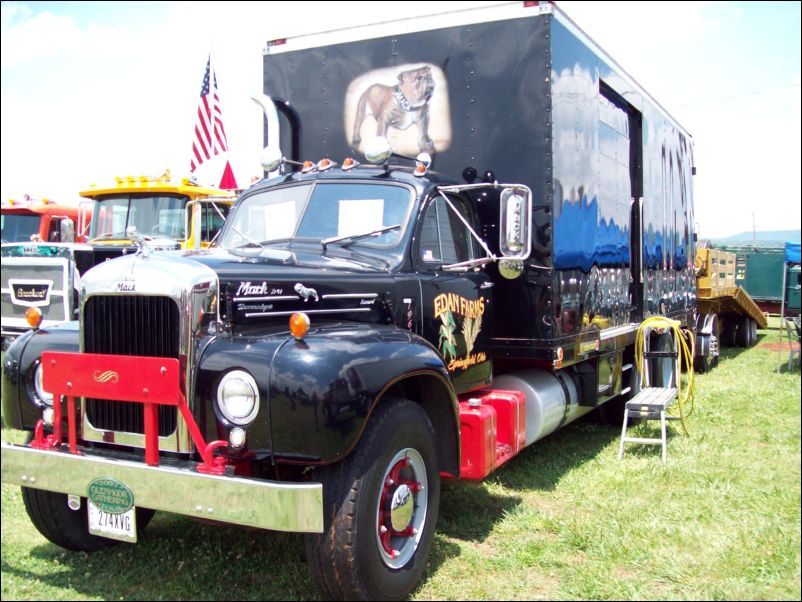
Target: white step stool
660	367
649	404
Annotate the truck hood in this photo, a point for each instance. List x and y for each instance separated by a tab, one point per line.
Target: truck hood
263	287
258	287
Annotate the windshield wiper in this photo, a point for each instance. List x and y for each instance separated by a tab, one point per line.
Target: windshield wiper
275	241
353	237
120	235
251	242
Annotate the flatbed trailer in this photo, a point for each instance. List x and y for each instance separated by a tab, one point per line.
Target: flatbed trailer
725	309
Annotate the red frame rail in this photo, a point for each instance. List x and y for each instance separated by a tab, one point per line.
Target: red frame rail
151	381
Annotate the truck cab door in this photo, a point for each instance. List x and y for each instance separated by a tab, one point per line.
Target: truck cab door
456	305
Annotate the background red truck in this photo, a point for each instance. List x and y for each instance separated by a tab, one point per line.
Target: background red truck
43	220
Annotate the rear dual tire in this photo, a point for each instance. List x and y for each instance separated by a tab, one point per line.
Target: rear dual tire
746	336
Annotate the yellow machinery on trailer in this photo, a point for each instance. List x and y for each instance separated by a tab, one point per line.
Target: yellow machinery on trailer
727	314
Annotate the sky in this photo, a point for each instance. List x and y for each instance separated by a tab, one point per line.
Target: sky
94	90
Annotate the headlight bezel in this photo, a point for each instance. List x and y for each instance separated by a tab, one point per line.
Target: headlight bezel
227	388
42	397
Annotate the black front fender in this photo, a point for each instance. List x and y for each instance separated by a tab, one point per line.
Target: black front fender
20	408
324	388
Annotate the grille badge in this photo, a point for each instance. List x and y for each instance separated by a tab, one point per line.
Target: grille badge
104	377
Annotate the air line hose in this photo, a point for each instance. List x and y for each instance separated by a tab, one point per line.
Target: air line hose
685	347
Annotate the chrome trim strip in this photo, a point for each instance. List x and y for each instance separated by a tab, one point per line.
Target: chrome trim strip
351	296
282	298
295	507
400	24
617	331
309	311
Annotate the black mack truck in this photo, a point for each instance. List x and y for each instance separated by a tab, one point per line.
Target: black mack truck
361	332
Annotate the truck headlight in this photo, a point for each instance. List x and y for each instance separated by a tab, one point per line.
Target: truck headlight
44	396
238	397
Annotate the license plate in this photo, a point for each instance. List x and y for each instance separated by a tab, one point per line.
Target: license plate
114	526
111	507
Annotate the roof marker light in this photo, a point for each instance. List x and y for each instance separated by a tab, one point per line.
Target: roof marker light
325	163
422	163
349	163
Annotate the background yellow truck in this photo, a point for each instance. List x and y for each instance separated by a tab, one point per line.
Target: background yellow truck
159	213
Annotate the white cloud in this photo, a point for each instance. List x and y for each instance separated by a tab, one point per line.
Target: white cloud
29	37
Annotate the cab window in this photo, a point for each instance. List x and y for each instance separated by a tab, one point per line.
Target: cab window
212	220
54	229
444	238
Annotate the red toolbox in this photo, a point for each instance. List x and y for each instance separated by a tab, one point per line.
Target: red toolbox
510	409
477	423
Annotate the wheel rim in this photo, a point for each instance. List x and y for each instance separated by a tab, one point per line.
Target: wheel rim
402	504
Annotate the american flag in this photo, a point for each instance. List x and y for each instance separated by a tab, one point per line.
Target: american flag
210	135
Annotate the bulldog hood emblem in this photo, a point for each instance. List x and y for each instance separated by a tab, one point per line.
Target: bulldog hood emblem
306	293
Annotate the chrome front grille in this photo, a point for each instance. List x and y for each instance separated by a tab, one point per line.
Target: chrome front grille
130	325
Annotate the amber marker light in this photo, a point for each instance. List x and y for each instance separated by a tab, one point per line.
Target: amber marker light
307	167
299	324
349	163
325	164
34	316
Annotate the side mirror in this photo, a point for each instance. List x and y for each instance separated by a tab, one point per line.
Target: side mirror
67	230
515	237
378	150
271	158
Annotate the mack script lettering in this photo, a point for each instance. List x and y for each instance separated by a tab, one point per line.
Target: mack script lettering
248	289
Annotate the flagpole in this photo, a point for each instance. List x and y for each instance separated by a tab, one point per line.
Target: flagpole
211	141
214	92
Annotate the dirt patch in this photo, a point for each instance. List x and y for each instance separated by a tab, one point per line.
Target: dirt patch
780	346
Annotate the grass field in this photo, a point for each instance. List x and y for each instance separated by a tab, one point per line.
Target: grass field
564	520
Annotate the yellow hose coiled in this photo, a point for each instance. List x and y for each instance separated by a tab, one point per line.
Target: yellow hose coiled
686	353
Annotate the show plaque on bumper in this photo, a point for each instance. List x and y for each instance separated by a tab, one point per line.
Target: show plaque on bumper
280	506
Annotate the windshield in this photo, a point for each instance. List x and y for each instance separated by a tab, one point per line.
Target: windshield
19	228
154	216
321	211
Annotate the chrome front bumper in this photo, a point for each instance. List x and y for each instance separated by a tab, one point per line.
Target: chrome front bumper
295	507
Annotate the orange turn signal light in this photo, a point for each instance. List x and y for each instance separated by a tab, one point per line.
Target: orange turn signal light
34	316
299	324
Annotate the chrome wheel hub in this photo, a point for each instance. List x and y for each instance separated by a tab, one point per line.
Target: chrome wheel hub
402	504
401	508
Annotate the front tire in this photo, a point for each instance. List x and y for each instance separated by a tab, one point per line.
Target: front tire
381	505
